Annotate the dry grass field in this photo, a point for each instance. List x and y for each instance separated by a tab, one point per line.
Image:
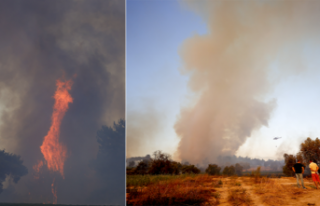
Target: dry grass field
218	190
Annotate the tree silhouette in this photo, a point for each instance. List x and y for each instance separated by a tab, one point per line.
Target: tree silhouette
290	160
238	169
190	169
229	170
11	164
310	149
161	164
110	161
213	169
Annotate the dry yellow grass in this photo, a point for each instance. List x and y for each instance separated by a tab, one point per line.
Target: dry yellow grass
272	192
239	197
211	190
188	191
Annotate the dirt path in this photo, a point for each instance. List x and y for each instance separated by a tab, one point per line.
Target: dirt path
288	193
232	184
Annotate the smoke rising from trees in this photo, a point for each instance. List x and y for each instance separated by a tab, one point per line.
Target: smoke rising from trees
230	70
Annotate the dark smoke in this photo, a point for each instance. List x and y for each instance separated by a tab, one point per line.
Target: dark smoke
252	162
41	41
135	160
11	165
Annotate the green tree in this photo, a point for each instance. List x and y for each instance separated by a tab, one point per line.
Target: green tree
142	168
229	170
213	169
176	167
189	169
161	163
232	170
290	160
310	149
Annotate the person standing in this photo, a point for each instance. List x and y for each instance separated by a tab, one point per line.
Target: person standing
298	168
314	172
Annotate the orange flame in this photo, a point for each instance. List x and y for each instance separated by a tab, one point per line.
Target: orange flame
53	152
37	169
54	192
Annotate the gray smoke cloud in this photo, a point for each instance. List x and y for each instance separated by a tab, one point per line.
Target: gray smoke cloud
142	130
230	70
42	41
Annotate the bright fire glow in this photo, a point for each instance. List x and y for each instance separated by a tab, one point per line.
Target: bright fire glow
54	192
37	169
54	152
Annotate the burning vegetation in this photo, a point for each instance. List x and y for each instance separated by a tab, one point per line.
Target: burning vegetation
53	151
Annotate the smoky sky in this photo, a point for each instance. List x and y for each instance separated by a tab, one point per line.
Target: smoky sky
230	70
143	129
42	41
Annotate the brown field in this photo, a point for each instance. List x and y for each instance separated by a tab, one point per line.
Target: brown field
218	190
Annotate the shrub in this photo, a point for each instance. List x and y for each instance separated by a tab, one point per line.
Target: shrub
142	168
256	175
229	170
188	169
130	171
213	169
162	164
290	160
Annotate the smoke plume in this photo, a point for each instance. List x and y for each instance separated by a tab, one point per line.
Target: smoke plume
230	70
42	41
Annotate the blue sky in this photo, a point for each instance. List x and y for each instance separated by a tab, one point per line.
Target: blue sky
156	31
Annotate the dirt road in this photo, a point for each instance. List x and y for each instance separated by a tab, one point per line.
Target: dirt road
274	191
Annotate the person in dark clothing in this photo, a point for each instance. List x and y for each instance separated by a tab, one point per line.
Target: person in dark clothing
298	168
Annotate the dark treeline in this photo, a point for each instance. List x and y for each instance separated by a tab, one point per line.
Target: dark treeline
223	162
161	163
248	163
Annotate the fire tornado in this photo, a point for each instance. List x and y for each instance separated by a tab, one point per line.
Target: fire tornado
54	152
